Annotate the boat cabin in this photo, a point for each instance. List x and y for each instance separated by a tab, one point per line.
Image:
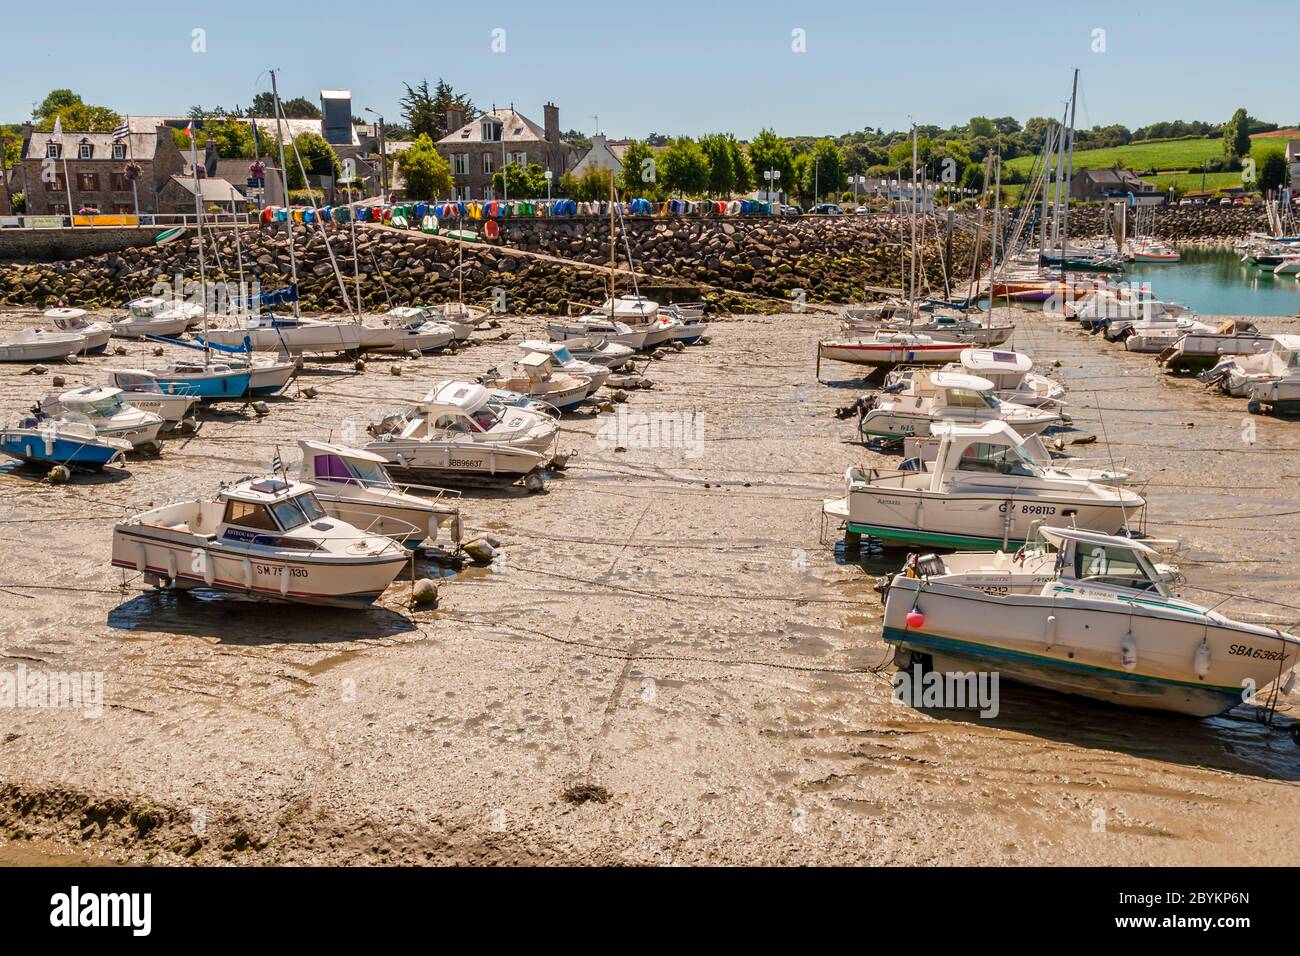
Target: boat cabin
93	403
1094	559
991	448
340	465
951	390
1003	369
255	508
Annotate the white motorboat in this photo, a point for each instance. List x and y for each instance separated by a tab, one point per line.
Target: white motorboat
535	375
294	335
37	345
105	410
461	318
1196	351
920	454
142	390
602	327
96	334
591	350
1012	376
917	399
887	348
1082	613
567	361
152	315
262	537
1289	266
958	328
1149	250
457	434
981	491
396	331
1156	336
1271	378
354	485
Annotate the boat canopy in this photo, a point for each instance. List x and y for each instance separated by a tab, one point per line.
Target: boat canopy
1062	536
265	490
992	360
468	397
310	449
973	383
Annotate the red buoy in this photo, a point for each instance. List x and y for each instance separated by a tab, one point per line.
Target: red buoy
915	619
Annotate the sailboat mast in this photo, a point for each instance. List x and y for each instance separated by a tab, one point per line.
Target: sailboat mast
912	297
198	214
611	245
997	227
1069	166
1049	144
1056	192
284	181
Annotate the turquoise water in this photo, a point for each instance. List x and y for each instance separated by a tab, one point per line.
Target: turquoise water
1217	282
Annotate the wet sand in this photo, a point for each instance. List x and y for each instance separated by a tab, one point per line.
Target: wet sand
671	665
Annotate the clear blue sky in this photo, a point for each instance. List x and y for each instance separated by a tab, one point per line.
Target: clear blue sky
670	66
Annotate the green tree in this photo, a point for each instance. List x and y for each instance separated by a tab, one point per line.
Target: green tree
1272	171
232	138
722	172
299	108
823	172
318	157
54	103
426	112
741	169
427	174
639	177
683	167
981	127
1236	135
591	185
769	152
525	182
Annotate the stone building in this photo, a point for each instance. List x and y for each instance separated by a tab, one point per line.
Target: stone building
177	196
95	166
478	148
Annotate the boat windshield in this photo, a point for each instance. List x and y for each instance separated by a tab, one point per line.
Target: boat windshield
298	510
106	407
369	473
562	355
1119	567
970	398
998	460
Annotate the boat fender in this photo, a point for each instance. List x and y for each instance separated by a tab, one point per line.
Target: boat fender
1049	632
171	566
209	568
1128	652
1288	684
1201	663
140	561
246	569
458	534
915	619
284	581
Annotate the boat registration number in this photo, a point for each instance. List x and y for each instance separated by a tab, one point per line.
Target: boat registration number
463	462
274	571
1256	653
1029	509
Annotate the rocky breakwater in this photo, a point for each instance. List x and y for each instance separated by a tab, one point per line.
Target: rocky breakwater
1191	224
403	267
829	258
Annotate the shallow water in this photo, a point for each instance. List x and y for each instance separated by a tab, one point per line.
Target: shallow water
1217	282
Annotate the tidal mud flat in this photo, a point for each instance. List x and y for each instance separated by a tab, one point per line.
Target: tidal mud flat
669	666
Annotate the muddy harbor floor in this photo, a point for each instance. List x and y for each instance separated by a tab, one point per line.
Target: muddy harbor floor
670	666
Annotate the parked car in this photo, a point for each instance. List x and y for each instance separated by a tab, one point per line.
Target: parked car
1225	201
1184	202
792	210
828	209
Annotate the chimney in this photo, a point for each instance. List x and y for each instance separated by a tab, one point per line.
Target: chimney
455	118
551	115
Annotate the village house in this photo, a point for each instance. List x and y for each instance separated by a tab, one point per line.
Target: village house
1094	185
1293	165
478	148
95	166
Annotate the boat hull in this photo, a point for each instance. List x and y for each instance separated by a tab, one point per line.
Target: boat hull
457	465
317	337
891	355
174	557
1079	651
35	449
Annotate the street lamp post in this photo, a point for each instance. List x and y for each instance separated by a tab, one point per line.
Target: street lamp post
383	153
549	176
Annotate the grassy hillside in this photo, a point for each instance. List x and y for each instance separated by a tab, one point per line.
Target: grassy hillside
1167	156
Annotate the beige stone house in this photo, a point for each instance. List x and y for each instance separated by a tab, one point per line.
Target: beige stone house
477	148
95	167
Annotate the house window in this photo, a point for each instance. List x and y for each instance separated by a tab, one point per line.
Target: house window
520	159
88	182
53	150
489	164
54	184
119	151
118	183
491	132
460	164
86	151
